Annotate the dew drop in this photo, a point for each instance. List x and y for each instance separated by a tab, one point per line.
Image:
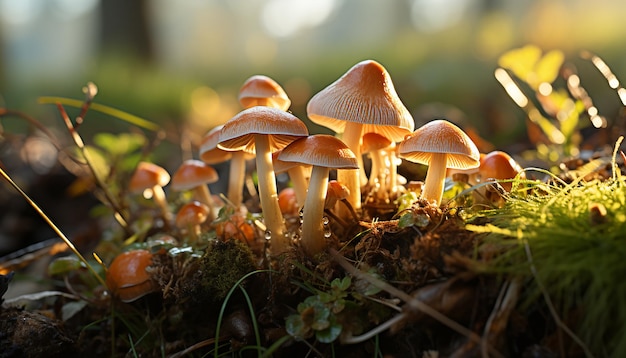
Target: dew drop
327	232
268	234
325	220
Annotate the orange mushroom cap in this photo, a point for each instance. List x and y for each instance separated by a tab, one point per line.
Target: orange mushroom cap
127	277
281	127
364	94
193	173
261	90
191	214
146	176
499	165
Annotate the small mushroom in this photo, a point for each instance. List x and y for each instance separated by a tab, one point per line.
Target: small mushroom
190	216
260	90
500	166
363	100
374	143
151	177
195	175
126	277
323	152
440	145
210	153
263	130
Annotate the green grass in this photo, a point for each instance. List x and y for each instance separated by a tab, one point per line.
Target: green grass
569	241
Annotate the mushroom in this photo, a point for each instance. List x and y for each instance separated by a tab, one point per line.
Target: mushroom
363	100
151	177
195	175
190	216
126	277
210	153
261	90
500	166
323	152
440	145
263	130
298	173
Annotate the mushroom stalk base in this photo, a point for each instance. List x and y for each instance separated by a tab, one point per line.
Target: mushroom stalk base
435	178
313	239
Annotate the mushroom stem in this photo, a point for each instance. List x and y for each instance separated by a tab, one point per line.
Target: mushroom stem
313	239
236	178
435	178
299	180
203	195
269	195
159	198
378	167
350	177
393	170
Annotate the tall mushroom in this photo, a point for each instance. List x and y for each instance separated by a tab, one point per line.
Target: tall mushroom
263	130
323	152
149	176
190	216
440	145
363	100
195	175
260	90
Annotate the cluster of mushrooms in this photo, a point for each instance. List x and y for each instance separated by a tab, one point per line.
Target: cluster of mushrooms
363	108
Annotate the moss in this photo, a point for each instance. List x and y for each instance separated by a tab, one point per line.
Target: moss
221	266
574	239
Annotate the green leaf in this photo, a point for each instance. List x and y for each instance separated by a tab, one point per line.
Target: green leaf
64	265
329	334
521	61
121	144
295	326
406	220
98	161
341	284
548	67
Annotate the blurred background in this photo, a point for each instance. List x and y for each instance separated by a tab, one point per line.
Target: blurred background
180	64
185	60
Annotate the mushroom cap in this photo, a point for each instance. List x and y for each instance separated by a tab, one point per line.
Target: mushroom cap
146	176
440	136
498	165
281	166
366	95
321	150
127	278
193	213
193	173
373	141
210	153
261	90
281	127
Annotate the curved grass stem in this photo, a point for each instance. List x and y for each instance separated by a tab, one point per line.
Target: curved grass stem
52	225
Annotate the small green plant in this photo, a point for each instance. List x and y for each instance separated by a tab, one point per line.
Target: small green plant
319	314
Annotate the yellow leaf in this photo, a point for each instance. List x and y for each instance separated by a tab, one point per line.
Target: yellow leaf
547	68
521	61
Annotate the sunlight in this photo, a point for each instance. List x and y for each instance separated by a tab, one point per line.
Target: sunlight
284	18
437	15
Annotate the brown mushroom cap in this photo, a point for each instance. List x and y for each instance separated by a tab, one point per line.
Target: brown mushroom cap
261	90
190	214
443	137
366	95
320	150
281	127
146	176
127	277
193	173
